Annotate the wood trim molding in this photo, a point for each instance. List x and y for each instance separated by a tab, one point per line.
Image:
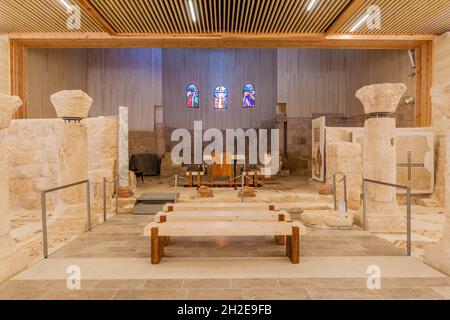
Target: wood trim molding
95	14
346	14
424	80
18	76
104	40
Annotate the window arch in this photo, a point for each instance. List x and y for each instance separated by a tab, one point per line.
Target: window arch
248	96
221	98
192	97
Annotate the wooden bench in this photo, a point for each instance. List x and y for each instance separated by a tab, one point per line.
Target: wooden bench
196	206
229	215
160	232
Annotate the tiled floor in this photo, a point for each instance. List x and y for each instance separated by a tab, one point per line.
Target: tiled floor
121	238
233	289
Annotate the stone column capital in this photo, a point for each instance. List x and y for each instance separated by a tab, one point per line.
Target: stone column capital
71	104
8	106
381	98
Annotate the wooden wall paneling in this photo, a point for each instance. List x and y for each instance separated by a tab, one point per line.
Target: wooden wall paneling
53	70
18	76
424	79
208	68
325	80
126	77
4	64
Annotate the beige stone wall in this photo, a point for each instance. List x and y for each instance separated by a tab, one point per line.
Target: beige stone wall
345	158
33	161
34	151
4	65
102	161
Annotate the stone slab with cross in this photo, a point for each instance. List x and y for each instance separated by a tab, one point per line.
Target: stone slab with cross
415	154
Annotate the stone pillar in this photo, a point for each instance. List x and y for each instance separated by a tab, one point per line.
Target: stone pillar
344	158
12	260
160	132
124	180
438	255
71	209
379	154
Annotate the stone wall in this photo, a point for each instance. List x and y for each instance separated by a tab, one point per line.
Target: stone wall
33	149
142	142
103	151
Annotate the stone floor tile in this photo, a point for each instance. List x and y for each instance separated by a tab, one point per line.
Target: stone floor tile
342	294
78	295
165	294
21	294
385	283
308	283
443	291
430	282
23	284
409	294
276	294
62	285
120	284
254	283
163	284
207	283
215	294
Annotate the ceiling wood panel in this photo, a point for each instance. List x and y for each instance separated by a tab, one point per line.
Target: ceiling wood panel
404	17
41	16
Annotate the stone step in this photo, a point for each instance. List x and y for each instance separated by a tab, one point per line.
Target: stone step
157	198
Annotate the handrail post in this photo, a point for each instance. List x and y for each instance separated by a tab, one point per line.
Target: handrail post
334	191
242	188
104	199
176	188
345	193
44	224
88	202
408	220
117	194
364	217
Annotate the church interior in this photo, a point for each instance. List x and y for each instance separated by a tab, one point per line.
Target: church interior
205	149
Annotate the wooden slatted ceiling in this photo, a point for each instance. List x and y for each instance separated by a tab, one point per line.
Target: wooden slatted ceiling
40	16
219	16
404	17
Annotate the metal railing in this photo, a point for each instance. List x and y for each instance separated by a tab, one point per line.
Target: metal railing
345	192
44	209
408	208
116	194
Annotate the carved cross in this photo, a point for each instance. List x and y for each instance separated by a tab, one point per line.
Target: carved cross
410	165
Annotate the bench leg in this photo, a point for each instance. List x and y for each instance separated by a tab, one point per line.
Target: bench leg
293	246
281	240
157	247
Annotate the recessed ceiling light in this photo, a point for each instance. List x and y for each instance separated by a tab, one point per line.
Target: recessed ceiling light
311	5
192	10
66	4
359	23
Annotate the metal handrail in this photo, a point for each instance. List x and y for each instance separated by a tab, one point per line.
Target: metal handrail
408	207
44	209
116	188
345	192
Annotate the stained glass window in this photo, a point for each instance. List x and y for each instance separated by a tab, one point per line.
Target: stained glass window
248	96
192	96
221	98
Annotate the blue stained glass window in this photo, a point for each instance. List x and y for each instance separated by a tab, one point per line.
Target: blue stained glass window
248	96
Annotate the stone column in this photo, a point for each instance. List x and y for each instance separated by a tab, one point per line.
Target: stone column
160	132
124	180
438	255
379	154
12	260
71	209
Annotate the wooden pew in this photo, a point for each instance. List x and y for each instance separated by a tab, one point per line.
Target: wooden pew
160	231
196	206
